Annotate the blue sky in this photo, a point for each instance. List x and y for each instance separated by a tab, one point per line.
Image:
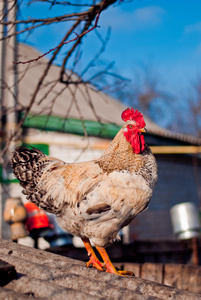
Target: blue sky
167	33
163	33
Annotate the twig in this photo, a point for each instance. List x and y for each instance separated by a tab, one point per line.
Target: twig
78	37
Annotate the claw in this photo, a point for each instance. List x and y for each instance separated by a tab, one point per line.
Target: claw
108	264
124	273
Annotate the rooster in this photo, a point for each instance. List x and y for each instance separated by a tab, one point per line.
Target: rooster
94	199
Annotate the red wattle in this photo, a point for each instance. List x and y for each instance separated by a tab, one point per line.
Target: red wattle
136	140
142	141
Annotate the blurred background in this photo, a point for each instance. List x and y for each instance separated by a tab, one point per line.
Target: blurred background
68	70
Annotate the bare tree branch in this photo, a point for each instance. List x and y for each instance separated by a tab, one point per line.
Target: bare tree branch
78	23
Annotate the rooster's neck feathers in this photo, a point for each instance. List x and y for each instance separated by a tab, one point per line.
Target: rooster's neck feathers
119	155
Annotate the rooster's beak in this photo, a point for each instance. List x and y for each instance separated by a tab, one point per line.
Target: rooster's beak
143	130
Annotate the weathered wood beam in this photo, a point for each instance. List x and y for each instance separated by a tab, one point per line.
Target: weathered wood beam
51	276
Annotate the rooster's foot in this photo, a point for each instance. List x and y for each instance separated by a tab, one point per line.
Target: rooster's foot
95	263
109	266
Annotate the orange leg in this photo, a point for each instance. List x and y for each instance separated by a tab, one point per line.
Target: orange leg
94	261
108	264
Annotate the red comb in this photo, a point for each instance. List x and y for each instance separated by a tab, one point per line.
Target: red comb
135	115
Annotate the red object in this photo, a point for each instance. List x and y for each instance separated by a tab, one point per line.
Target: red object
135	115
135	138
37	218
133	133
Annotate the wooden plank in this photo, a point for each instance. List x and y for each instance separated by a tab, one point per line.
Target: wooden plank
184	277
7	294
135	268
153	272
191	279
173	275
50	276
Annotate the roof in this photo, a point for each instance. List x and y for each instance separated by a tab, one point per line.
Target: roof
89	104
44	275
58	99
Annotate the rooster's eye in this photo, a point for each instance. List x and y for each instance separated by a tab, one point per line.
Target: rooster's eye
130	126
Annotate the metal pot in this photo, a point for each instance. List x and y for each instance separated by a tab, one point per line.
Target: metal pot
185	220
